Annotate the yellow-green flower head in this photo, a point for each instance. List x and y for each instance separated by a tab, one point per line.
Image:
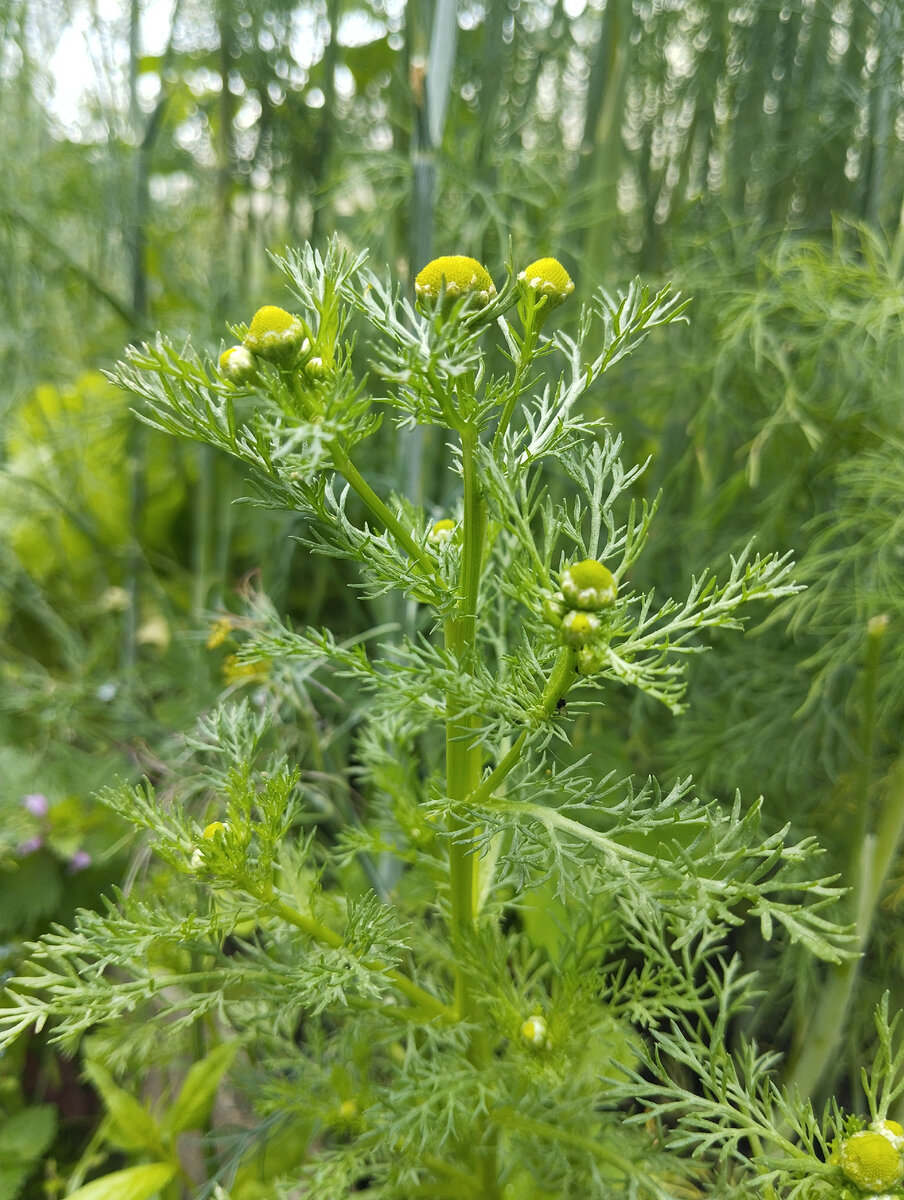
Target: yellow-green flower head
589	585
871	1160
891	1130
533	1031
547	277
441	532
579	628
454	276
237	364
214	829
275	335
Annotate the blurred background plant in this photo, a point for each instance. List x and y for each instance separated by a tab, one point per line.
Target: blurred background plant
153	152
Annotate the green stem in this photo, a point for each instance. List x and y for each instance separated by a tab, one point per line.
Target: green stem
464	756
422	999
366	493
382	512
464	766
557	685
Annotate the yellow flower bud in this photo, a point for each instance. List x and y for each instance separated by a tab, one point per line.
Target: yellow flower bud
579	628
219	632
589	585
235	671
547	277
871	1160
534	1031
892	1130
452	277
237	365
275	335
213	829
441	531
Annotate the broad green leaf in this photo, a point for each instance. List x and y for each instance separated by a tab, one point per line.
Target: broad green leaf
28	1134
12	1178
193	1104
129	1125
135	1183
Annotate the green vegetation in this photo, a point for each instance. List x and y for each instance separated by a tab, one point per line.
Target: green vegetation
207	644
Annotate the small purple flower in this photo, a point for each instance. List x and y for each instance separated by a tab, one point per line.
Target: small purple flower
37	804
79	861
30	846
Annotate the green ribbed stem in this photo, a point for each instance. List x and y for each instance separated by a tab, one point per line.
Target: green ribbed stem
464	755
382	512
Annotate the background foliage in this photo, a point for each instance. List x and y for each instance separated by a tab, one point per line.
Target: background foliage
752	152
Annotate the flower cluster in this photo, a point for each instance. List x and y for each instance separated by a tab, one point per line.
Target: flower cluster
38	807
587	590
284	340
274	336
452	277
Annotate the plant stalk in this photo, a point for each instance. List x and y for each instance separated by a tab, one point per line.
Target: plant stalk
464	756
422	999
382	512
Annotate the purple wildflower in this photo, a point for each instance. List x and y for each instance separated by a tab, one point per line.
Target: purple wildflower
79	861
37	804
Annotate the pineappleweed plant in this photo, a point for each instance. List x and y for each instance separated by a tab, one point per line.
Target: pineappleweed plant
532	998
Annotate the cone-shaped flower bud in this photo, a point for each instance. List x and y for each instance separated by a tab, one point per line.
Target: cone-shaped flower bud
871	1160
237	365
454	276
275	335
579	628
589	585
547	277
441	531
214	829
533	1031
891	1130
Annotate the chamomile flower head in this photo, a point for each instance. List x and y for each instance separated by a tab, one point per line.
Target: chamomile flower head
589	585
891	1130
579	628
534	1031
871	1160
451	277
214	829
237	364
547	277
275	335
441	531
